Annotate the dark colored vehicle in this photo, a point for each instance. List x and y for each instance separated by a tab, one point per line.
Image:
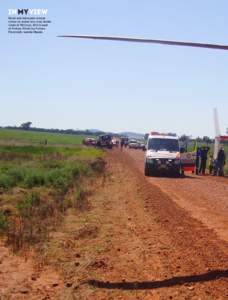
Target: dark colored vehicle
125	141
105	141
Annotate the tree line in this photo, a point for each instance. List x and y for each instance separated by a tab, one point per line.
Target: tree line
28	126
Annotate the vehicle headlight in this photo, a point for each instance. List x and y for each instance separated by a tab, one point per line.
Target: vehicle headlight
158	161
169	161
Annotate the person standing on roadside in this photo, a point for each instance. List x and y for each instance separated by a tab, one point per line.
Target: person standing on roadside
121	144
197	160
221	161
203	155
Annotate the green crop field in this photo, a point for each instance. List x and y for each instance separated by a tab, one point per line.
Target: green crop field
14	137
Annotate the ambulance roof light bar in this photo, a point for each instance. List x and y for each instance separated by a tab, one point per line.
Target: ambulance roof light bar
158	133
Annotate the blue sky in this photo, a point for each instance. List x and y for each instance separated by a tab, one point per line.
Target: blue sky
69	83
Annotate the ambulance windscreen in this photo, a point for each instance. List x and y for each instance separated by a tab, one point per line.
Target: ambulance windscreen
170	145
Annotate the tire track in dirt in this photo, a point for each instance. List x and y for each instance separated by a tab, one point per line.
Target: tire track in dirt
192	247
137	243
174	217
158	251
204	197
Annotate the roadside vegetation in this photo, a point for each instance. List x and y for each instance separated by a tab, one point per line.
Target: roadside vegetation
38	184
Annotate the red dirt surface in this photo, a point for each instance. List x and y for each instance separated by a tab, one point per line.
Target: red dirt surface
22	278
155	249
139	242
205	197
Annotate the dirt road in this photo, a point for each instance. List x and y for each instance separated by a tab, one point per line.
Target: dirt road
204	197
149	247
136	241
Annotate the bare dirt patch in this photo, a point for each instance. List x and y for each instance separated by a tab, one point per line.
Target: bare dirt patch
22	278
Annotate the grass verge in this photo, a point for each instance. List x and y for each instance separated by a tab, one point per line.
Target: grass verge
36	188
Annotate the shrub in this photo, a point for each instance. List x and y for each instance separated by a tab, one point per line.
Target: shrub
98	165
79	168
6	181
59	179
51	164
17	174
79	194
26	205
74	170
25	226
3	221
34	178
81	201
85	169
61	183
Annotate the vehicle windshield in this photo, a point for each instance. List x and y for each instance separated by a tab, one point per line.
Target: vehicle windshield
163	145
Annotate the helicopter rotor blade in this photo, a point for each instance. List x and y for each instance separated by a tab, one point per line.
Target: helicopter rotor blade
148	41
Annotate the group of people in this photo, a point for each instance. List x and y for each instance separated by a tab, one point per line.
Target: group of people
216	166
123	143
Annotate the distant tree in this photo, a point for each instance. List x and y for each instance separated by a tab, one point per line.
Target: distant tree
207	140
199	139
184	138
26	125
172	134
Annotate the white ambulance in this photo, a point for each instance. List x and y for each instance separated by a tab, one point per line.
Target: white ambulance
162	154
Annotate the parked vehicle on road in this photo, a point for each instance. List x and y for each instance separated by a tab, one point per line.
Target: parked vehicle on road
89	141
133	144
142	146
162	154
105	141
